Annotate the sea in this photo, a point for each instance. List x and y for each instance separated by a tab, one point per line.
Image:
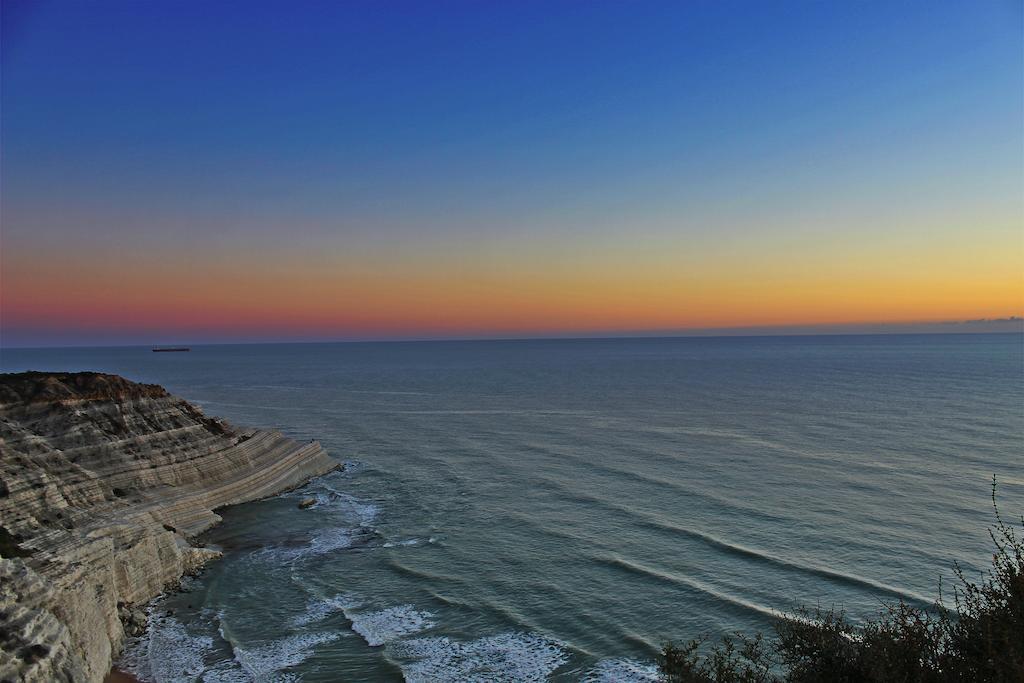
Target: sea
557	510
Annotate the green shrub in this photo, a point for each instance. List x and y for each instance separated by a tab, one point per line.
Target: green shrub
980	639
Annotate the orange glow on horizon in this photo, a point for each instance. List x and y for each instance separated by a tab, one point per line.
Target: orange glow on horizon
325	296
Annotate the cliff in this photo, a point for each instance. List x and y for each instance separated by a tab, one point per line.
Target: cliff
103	482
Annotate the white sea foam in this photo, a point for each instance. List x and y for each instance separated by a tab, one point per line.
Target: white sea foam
622	671
166	653
338	503
266	662
398	544
389	624
327	541
324	541
521	657
319	609
230	671
360	512
343	518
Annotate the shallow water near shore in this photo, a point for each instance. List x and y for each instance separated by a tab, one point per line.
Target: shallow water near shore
555	510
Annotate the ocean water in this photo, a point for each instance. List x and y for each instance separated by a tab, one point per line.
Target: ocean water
556	510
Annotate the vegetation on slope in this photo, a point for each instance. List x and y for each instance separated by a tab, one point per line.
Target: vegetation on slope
981	638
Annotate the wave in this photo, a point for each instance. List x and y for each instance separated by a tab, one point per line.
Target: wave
676	487
789	565
171	652
448	601
336	501
321	543
640	642
419	574
689	582
737	550
167	653
386	393
377	627
477	411
406	542
230	671
319	609
523	657
552	531
622	671
348	523
266	662
391	623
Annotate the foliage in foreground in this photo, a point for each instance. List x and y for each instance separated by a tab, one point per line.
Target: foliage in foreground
980	639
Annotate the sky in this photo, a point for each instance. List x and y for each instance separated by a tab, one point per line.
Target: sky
188	172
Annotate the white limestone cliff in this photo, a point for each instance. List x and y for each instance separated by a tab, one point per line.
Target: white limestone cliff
103	485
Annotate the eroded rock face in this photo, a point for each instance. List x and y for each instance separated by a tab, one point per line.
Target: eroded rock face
102	484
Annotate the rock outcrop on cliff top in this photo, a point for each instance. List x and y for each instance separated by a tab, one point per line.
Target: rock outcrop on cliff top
103	482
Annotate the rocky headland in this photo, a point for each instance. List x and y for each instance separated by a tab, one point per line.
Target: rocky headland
103	485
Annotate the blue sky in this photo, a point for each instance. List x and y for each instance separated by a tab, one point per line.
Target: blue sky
385	130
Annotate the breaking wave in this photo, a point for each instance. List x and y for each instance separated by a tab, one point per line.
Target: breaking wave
523	657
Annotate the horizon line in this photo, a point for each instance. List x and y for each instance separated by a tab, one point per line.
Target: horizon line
705	333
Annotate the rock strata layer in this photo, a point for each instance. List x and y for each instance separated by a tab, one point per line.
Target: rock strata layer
103	483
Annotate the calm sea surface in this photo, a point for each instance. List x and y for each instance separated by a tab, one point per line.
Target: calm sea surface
534	510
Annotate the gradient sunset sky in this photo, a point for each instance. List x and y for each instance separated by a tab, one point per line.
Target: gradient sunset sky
221	171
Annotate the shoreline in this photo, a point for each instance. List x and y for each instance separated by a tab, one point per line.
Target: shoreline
88	542
119	673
